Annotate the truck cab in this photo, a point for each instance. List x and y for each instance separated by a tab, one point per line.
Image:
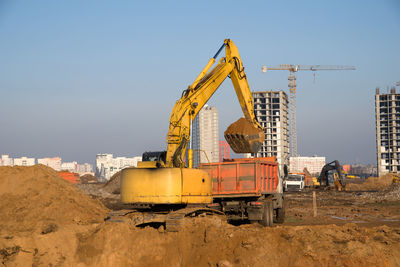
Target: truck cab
294	182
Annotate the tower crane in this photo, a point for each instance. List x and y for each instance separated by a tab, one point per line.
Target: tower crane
292	88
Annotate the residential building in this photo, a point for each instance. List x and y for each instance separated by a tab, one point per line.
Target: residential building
24	161
387	112
272	111
70	166
6	160
107	165
205	136
314	164
85	168
54	163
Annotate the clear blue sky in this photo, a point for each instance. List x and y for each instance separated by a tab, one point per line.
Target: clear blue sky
85	77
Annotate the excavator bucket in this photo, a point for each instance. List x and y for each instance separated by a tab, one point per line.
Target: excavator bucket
243	137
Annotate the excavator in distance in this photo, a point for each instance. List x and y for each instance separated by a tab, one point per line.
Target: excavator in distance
338	179
166	179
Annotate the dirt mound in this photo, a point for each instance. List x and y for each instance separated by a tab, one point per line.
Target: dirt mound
372	183
208	242
211	241
37	199
113	185
89	179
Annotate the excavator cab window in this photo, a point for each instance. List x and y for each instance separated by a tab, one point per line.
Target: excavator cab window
154	156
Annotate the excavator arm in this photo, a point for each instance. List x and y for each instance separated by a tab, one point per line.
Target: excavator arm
161	177
196	96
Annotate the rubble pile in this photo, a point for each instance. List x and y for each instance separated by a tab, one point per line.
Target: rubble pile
391	193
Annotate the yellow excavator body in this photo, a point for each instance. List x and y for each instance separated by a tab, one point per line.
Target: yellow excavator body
167	180
165	186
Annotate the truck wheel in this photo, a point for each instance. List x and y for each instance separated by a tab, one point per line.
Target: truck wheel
268	213
280	215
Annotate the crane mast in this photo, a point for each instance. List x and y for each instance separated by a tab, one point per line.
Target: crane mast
292	89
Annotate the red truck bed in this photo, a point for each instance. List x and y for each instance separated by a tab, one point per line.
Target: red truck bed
243	177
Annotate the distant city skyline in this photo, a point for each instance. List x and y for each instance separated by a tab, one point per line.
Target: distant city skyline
81	78
55	163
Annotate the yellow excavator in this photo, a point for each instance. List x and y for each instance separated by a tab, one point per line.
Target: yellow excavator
166	178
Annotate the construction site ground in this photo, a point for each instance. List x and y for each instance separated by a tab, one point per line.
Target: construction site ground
46	221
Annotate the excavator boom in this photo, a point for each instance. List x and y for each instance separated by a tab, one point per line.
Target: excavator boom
166	181
244	136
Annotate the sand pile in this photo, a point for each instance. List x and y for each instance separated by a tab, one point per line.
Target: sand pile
113	185
37	199
204	241
372	183
89	179
209	242
212	242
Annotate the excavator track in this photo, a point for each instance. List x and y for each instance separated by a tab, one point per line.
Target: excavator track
173	220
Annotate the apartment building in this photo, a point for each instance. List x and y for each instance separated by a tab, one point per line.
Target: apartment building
387	111
272	111
313	164
70	166
24	161
54	163
107	165
205	136
6	160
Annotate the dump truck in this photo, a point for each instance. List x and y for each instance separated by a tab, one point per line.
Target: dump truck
247	189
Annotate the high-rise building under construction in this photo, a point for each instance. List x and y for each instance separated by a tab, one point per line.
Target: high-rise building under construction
271	110
387	109
206	136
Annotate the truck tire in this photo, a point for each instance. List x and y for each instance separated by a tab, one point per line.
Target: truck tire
280	214
268	213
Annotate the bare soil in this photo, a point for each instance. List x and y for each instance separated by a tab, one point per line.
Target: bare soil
46	221
372	183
